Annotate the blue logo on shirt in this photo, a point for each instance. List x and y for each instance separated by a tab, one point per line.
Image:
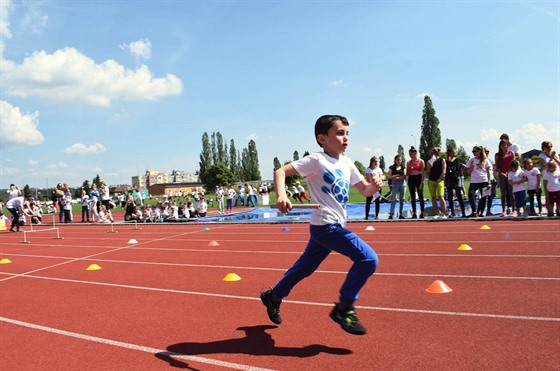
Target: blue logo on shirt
339	186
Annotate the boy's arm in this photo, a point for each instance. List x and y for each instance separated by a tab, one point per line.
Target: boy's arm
369	189
283	202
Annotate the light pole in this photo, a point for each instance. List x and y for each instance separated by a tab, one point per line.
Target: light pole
413	140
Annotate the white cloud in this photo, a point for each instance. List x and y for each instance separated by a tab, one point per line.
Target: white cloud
5	33
337	83
17	128
9	171
33	19
141	49
60	165
67	76
82	149
32	162
253	136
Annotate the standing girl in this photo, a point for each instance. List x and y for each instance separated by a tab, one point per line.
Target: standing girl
436	173
453	181
397	174
479	168
533	176
516	179
502	162
552	176
373	171
415	174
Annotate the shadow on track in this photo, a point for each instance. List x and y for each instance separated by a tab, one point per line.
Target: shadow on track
256	342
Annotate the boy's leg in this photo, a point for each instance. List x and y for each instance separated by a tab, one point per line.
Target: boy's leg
307	263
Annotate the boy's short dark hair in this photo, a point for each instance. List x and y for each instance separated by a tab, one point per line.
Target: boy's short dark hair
325	122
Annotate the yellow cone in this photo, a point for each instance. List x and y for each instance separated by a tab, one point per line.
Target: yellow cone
485	227
93	267
231	277
464	247
5	261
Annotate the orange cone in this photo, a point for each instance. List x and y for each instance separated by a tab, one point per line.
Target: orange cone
213	243
439	287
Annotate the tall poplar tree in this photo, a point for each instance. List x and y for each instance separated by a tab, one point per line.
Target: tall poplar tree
430	135
205	155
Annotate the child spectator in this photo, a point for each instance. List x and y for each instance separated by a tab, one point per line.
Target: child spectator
552	176
533	176
85	206
516	178
202	207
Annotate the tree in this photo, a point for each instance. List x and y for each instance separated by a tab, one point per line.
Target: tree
360	167
214	148
205	155
97	181
430	135
277	164
296	155
382	163
233	158
85	186
217	174
222	149
252	168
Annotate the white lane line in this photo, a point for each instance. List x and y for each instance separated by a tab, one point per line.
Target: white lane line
214	266
141	348
84	258
196	293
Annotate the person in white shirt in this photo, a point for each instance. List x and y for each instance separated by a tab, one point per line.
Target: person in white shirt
547	156
202	207
14	206
552	175
533	176
515	148
479	168
516	178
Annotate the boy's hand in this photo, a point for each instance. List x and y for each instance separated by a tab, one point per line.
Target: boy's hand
377	181
284	205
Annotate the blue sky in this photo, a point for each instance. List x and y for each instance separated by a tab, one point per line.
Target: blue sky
116	87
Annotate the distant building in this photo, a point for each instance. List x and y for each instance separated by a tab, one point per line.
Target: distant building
166	188
151	177
178	176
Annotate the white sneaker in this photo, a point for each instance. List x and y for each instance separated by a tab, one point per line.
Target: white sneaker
444	217
436	216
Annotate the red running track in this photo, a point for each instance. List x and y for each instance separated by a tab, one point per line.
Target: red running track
162	303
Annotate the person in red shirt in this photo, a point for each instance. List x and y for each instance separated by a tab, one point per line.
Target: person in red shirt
502	161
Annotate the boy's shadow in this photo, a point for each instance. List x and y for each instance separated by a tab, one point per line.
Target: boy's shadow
256	342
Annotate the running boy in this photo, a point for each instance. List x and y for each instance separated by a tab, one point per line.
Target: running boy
329	176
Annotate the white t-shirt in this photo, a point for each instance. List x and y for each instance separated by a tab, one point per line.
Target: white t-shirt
553	179
480	172
532	178
329	181
377	171
516	176
515	148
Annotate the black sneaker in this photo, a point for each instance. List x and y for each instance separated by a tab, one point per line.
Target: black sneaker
272	309
348	320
